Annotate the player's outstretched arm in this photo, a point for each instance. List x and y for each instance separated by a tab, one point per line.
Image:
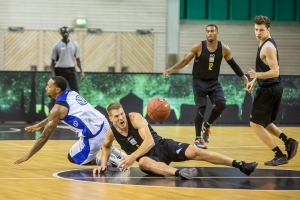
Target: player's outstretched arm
234	66
53	118
251	85
37	126
141	125
182	63
269	52
106	146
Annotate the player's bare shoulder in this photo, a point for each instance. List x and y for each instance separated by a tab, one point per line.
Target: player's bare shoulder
197	49
225	47
268	50
137	120
268	46
109	134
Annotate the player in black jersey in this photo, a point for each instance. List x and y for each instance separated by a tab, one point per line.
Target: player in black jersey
268	95
208	56
153	153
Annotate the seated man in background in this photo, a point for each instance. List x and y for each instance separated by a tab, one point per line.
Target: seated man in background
74	111
152	152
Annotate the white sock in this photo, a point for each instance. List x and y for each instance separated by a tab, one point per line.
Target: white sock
119	154
98	161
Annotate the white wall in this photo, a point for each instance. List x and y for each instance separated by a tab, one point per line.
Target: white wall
109	15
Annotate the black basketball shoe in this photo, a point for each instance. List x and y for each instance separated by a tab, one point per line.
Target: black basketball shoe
291	147
188	173
248	168
277	161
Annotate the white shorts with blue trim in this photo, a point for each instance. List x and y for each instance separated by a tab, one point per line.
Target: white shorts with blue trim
86	149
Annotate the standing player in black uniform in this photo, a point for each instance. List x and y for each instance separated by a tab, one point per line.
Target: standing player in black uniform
154	154
208	57
268	95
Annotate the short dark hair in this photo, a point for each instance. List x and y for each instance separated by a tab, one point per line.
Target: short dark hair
260	19
64	27
113	106
60	82
212	25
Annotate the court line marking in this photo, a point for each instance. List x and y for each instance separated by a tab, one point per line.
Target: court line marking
55	175
12	130
171	177
26	178
224	147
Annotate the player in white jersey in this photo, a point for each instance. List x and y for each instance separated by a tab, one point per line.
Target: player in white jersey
73	110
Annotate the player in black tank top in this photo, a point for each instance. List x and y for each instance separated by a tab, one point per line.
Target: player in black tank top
208	56
268	96
153	153
133	138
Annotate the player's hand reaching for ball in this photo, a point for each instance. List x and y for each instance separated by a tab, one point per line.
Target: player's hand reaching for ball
126	162
32	128
100	170
23	159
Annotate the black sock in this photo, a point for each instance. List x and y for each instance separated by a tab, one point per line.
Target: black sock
283	137
236	164
177	172
277	152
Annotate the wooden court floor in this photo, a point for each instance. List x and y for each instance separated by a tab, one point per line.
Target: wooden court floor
34	179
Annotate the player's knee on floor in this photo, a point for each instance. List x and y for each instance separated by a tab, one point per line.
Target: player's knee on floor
72	161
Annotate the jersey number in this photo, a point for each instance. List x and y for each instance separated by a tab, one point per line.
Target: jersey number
210	66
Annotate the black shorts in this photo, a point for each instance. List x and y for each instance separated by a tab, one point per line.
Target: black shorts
69	73
202	89
168	150
266	104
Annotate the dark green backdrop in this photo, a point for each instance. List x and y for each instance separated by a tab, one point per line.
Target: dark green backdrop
23	98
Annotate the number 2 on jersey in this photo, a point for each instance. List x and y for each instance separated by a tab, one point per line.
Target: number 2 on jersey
210	66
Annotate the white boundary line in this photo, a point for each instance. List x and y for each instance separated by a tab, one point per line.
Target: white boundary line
12	130
55	175
27	178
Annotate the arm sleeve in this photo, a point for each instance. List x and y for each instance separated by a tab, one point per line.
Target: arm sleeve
238	71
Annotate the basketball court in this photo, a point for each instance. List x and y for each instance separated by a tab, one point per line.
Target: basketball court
49	175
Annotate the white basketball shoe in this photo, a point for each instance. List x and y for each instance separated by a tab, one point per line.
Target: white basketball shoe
113	163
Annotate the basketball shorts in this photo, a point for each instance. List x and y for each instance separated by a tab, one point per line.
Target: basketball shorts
86	149
266	104
202	89
168	150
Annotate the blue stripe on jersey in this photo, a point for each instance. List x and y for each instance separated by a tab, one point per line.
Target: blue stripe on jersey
81	156
77	123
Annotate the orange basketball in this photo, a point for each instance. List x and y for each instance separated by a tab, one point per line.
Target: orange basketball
158	109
